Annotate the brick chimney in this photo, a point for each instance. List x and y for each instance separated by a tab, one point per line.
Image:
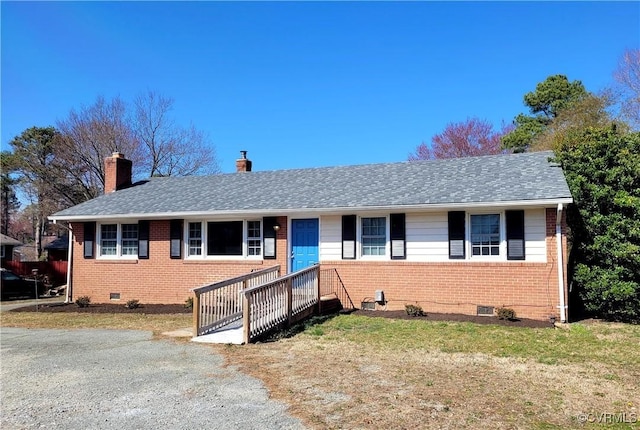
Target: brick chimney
117	173
242	163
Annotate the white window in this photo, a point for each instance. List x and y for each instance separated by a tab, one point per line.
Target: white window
129	239
254	238
109	239
195	238
118	240
374	236
485	235
224	239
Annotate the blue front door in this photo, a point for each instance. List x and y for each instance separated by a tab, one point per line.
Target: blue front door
304	243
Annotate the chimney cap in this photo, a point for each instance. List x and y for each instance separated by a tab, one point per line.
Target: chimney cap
117	154
243	155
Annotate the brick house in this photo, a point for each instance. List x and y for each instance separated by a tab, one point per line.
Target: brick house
455	236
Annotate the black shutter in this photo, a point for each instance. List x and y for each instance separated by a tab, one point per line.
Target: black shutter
269	234
515	235
456	235
398	237
89	239
348	237
143	240
176	238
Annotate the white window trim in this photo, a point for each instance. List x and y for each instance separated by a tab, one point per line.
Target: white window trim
205	232
387	254
118	255
503	238
187	246
245	239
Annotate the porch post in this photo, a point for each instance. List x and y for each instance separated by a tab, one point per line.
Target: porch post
196	314
246	318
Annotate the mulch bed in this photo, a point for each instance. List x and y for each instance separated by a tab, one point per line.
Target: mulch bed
112	308
107	308
521	322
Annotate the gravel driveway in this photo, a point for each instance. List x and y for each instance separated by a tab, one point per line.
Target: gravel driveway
116	379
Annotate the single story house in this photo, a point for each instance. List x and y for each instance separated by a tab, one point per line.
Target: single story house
7	244
456	236
58	249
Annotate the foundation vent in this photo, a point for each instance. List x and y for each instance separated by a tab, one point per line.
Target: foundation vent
485	311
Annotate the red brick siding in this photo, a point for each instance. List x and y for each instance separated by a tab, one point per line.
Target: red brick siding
531	289
158	279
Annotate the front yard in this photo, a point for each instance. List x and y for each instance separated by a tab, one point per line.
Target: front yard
359	372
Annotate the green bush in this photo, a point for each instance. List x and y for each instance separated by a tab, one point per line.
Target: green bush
414	310
189	303
602	167
83	301
506	314
132	304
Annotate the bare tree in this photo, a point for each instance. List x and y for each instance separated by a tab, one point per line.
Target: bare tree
91	134
463	139
627	76
170	149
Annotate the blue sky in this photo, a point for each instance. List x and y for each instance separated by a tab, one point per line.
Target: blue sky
305	84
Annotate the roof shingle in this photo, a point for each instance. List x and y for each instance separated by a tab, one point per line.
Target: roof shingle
473	180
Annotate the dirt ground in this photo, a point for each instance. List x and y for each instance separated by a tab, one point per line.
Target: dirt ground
455	317
181	309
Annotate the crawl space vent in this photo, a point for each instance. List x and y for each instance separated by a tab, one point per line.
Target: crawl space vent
485	311
114	296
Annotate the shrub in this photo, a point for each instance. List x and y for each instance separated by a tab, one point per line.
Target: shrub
414	310
189	303
83	301
506	314
132	304
601	167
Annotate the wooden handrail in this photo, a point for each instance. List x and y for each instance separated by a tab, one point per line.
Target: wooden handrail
219	304
230	281
282	301
282	278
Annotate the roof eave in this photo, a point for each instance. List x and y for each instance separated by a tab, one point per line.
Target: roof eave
283	211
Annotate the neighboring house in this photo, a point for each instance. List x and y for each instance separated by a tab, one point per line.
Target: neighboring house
58	249
455	236
6	247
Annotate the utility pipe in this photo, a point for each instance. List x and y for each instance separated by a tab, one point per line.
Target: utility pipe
67	298
561	287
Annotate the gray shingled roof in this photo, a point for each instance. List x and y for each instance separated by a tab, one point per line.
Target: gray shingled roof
487	180
7	240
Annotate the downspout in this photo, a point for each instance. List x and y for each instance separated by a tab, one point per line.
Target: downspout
67	298
67	295
561	286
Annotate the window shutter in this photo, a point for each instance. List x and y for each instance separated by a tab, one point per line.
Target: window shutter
176	238
143	240
398	237
269	235
348	237
89	239
456	235
515	235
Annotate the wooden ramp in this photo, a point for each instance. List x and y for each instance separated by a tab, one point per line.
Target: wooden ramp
249	307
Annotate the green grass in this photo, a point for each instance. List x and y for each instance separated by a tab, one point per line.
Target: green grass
579	343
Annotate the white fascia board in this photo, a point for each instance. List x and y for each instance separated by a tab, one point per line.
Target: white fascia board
338	210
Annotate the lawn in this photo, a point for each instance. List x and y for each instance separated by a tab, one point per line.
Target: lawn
358	372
